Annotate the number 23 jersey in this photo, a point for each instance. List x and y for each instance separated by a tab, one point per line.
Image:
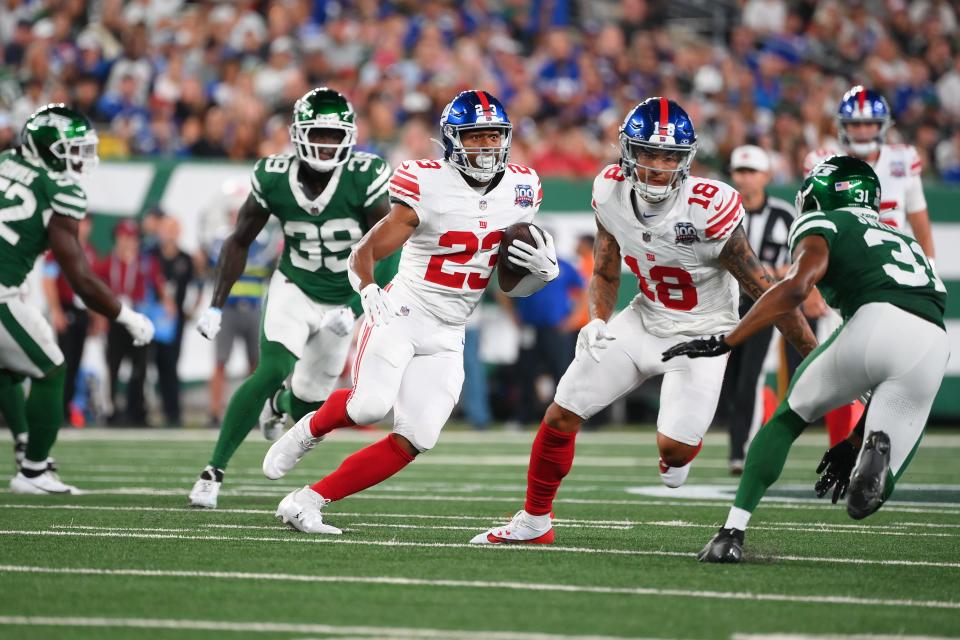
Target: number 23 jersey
683	287
448	261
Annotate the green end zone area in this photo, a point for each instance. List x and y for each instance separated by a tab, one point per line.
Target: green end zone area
130	560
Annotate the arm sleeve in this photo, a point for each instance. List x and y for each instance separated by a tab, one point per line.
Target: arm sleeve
721	218
405	188
377	183
70	201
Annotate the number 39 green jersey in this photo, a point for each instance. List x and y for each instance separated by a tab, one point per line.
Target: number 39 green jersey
29	195
318	234
872	262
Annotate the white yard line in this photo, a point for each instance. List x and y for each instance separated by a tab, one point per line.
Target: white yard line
119	532
479	584
278	627
801	527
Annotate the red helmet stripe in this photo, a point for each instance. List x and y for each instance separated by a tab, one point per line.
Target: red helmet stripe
861	100
664	116
484	102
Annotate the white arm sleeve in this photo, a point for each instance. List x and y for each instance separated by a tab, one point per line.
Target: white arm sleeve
913	198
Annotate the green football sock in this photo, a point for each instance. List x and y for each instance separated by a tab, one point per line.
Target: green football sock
12	402
296	408
276	363
44	413
766	456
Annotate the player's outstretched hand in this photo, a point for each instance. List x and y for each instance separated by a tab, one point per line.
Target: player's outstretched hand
139	325
593	337
338	321
376	305
699	348
540	260
835	468
209	322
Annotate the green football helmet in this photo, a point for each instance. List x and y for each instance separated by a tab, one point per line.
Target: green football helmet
840	182
60	139
318	113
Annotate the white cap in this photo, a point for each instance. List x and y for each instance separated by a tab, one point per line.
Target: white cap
750	156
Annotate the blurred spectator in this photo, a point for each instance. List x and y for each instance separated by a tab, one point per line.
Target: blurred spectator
69	317
132	275
948	157
214	79
546	341
584	258
177	268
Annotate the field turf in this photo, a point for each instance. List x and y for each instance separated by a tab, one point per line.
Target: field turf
130	560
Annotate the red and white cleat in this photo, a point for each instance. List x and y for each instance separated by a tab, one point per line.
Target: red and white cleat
674	477
523	529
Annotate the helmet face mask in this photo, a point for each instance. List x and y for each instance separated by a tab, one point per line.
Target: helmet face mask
62	140
860	105
323	131
657	147
475	111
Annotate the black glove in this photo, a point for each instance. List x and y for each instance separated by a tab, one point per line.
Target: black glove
838	462
699	348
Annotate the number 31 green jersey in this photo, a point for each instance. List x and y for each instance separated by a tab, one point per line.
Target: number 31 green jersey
872	262
319	234
29	195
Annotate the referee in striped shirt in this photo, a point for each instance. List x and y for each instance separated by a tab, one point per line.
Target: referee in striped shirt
767	224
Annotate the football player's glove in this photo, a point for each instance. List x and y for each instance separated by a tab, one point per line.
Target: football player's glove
593	337
209	323
540	260
835	468
376	305
338	321
699	348
139	325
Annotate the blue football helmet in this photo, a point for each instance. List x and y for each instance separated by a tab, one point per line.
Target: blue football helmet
863	105
475	109
659	130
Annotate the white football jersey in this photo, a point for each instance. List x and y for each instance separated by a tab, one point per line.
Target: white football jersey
901	191
683	287
447	262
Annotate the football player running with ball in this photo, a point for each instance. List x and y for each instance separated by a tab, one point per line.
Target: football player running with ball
42	204
326	197
892	343
449	216
683	239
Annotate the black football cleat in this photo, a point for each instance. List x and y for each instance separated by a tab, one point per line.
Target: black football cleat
726	547
869	481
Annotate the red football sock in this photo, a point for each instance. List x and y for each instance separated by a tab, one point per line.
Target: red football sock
550	460
365	468
332	414
841	421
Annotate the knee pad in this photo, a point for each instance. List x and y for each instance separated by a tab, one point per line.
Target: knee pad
422	440
367	408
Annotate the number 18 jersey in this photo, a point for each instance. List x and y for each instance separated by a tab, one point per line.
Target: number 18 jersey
448	261
675	256
871	262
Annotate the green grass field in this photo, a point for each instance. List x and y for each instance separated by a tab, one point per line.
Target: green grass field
130	560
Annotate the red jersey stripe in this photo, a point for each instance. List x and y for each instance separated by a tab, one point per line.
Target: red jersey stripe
725	208
714	229
403	183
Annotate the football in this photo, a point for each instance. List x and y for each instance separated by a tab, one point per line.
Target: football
508	274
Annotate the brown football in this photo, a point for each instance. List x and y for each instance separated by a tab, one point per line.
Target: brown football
508	274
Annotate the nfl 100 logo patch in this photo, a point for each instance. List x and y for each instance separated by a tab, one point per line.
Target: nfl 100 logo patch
524	197
686	233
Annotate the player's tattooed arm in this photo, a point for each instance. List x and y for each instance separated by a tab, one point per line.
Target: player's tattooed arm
62	234
778	304
382	240
605	282
251	219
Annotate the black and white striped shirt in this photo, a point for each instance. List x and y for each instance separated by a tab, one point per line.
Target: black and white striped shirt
767	231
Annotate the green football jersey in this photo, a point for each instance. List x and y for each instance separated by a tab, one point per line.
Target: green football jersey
319	234
872	262
29	195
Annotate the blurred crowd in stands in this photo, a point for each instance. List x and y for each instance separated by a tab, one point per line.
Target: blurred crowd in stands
180	79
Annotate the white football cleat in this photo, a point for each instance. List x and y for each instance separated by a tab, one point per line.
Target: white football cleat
301	509
206	489
289	449
46	483
272	420
523	529
674	477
